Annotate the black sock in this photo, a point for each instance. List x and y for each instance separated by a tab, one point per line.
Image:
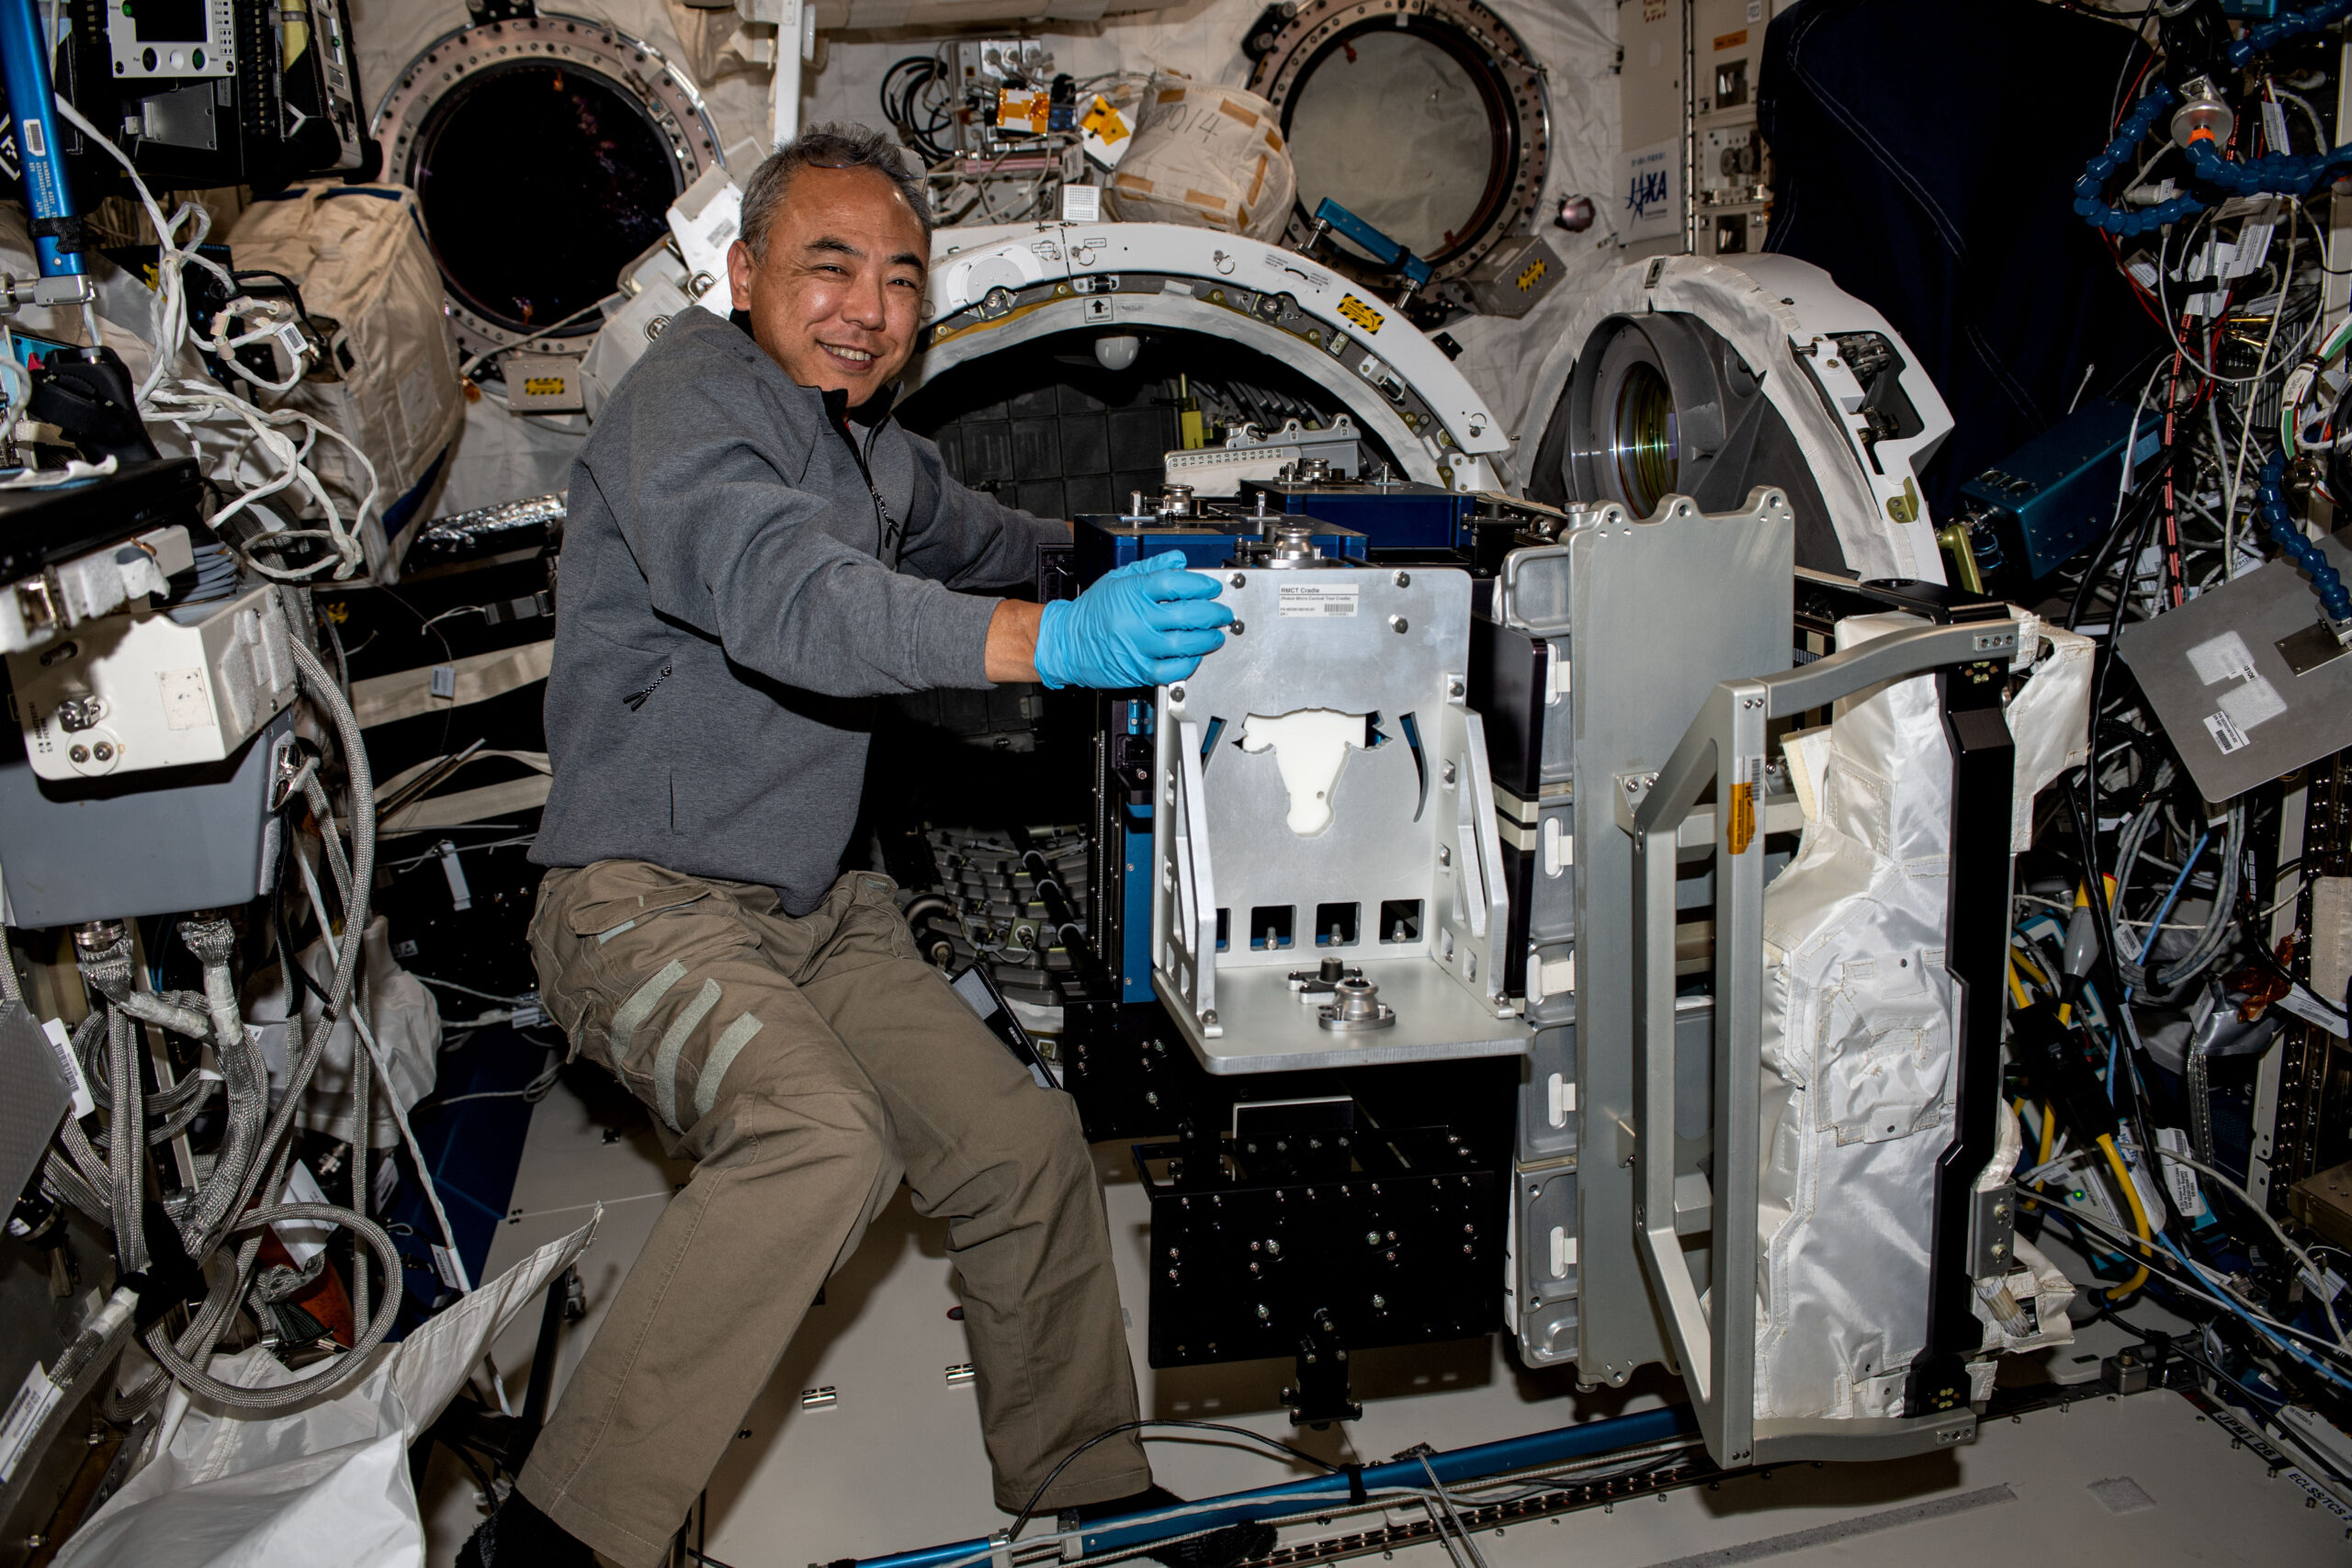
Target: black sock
519	1536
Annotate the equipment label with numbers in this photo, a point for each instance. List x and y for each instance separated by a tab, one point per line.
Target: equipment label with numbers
1317	599
26	1412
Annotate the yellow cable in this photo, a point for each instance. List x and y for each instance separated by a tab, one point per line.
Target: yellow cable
2049	1132
2016	992
2138	1213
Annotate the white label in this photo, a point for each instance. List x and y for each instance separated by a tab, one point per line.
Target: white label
1755	10
1082	204
2151	1196
2303	1005
1317	599
2186	1198
460	896
529	1017
290	338
2254	242
62	1043
26	1412
36	139
1649	191
188	705
444	680
2252	702
2225	733
1283	261
303	1239
444	1263
2274	129
2224	658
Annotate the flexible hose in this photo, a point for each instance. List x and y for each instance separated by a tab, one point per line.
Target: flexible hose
193	1376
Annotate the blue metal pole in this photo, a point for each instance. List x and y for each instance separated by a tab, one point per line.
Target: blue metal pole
24	70
1454	1467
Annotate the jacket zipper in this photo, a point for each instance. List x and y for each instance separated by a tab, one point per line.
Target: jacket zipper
886	528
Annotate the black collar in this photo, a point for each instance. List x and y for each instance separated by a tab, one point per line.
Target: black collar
870	413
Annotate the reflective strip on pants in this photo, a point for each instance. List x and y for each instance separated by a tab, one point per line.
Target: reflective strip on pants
640	1006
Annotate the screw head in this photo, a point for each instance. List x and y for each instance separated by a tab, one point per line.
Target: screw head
1404	580
1262	1313
1235	628
1379	1301
1397	624
1176	692
79	754
1238	580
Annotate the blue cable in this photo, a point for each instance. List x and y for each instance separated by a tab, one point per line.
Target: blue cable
2251	1321
2270	500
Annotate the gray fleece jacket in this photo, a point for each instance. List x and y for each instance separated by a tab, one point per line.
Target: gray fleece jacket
733	593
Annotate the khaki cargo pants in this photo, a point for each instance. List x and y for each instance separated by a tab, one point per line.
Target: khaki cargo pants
806	1065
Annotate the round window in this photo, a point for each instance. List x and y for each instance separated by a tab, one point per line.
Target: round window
1395	128
1425	119
577	186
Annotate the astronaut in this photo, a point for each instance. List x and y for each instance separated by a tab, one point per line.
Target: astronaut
756	551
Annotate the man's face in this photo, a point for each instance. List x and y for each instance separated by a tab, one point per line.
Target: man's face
837	298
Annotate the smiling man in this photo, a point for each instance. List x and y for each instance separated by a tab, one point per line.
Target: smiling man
755	550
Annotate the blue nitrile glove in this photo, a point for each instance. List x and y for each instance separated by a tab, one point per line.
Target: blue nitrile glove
1144	625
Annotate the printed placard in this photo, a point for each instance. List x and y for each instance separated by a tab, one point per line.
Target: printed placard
1318	599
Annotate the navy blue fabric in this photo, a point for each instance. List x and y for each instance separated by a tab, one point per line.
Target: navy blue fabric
1925	152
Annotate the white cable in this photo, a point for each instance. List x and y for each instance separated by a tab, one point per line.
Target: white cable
184	402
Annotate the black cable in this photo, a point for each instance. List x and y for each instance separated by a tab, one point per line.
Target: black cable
1029	1509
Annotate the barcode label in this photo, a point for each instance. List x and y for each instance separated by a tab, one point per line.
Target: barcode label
63	1044
2226	733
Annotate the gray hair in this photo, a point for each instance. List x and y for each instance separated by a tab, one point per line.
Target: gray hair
831	146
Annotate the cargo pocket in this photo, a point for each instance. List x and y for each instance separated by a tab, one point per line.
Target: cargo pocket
592	908
868	928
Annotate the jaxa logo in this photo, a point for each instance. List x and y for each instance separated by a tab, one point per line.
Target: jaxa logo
1362	314
1647	191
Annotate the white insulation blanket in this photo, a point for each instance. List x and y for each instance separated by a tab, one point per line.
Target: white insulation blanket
1858	1038
325	1485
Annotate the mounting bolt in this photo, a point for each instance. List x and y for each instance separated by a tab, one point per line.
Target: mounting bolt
1449	773
1379	1301
1396	623
1372	1237
79	754
1235	628
1452	688
1209	1017
1404	580
1238	580
1176	692
1262	1313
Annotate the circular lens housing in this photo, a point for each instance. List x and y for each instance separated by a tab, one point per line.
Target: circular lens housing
1642	438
